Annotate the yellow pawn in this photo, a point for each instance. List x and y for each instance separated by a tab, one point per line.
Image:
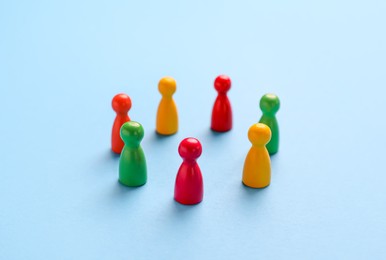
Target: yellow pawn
257	165
167	115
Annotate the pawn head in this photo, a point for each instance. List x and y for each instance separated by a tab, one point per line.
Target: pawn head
167	86
222	83
132	133
269	103
121	103
190	148
259	134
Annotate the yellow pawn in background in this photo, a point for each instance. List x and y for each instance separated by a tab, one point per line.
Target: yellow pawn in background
167	115
257	165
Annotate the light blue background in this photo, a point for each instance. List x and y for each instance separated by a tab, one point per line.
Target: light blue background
61	62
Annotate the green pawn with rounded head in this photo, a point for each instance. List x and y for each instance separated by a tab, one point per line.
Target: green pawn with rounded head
270	104
132	163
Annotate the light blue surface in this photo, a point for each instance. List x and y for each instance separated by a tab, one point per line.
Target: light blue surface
61	63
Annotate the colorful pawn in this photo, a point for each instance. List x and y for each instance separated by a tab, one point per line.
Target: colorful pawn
269	105
189	187
167	115
121	104
222	109
132	163
257	165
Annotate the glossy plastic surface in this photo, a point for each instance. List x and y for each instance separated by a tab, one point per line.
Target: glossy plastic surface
167	115
121	104
269	105
189	186
257	165
132	163
222	109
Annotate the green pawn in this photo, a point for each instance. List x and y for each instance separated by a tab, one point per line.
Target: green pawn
270	104
132	163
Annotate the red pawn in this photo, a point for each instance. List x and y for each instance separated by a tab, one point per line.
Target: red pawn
189	187
222	110
121	104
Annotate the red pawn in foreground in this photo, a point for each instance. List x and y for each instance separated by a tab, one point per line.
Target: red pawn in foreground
121	104
189	188
222	110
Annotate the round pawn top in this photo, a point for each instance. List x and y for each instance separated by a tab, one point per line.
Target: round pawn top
222	83
167	86
269	103
121	103
190	148
132	133
259	134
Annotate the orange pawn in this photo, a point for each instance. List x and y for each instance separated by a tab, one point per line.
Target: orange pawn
121	104
257	165
167	115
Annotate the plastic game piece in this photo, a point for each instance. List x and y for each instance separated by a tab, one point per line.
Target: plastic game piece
222	110
270	104
189	187
257	165
167	115
121	104
132	163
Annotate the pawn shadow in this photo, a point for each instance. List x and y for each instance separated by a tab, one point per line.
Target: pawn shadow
113	155
252	194
124	193
118	197
159	137
179	208
248	190
158	142
125	189
212	136
251	201
181	213
275	159
218	134
180	217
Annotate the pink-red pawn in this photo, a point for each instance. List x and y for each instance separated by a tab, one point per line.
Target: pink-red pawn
222	110
189	187
121	104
